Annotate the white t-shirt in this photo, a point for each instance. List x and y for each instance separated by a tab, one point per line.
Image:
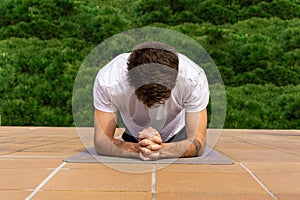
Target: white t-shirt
112	93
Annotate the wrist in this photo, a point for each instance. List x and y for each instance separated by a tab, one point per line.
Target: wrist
163	152
127	149
153	156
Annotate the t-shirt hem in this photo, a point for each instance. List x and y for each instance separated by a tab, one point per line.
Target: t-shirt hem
195	110
104	109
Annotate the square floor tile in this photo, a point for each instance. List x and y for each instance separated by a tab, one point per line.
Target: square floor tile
207	182
102	180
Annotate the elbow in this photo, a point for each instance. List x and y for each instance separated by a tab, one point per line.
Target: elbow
100	148
199	147
101	144
202	148
195	148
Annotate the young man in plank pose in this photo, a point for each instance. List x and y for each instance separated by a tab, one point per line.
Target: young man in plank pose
161	97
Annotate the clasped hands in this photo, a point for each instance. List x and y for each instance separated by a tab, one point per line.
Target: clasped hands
150	144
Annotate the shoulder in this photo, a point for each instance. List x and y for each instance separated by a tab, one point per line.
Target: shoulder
189	72
114	71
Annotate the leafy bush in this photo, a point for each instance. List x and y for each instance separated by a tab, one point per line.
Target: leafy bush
254	43
39	18
265	107
41	77
217	12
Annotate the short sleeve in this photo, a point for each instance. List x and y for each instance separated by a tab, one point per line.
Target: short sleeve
196	93
102	98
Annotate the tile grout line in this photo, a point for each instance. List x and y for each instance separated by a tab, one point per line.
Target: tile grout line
153	190
257	180
38	188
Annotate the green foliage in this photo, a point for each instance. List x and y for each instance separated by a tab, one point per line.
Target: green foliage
37	79
180	11
46	19
284	9
217	12
254	43
256	50
39	18
264	107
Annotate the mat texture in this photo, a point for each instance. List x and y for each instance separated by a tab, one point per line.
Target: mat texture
210	157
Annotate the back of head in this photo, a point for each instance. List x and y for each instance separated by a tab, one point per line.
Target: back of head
152	71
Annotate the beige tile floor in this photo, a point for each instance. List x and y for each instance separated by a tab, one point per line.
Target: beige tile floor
267	166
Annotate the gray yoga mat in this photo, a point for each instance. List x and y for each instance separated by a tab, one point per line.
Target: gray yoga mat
209	157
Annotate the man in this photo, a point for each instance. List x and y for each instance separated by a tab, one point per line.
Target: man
161	97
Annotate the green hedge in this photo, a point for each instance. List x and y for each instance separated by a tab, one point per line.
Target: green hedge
263	107
254	43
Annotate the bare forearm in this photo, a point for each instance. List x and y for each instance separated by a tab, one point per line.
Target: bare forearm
104	141
114	147
185	148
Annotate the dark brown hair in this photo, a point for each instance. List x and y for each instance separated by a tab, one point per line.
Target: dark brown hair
152	70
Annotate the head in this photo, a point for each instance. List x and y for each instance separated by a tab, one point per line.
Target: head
152	71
